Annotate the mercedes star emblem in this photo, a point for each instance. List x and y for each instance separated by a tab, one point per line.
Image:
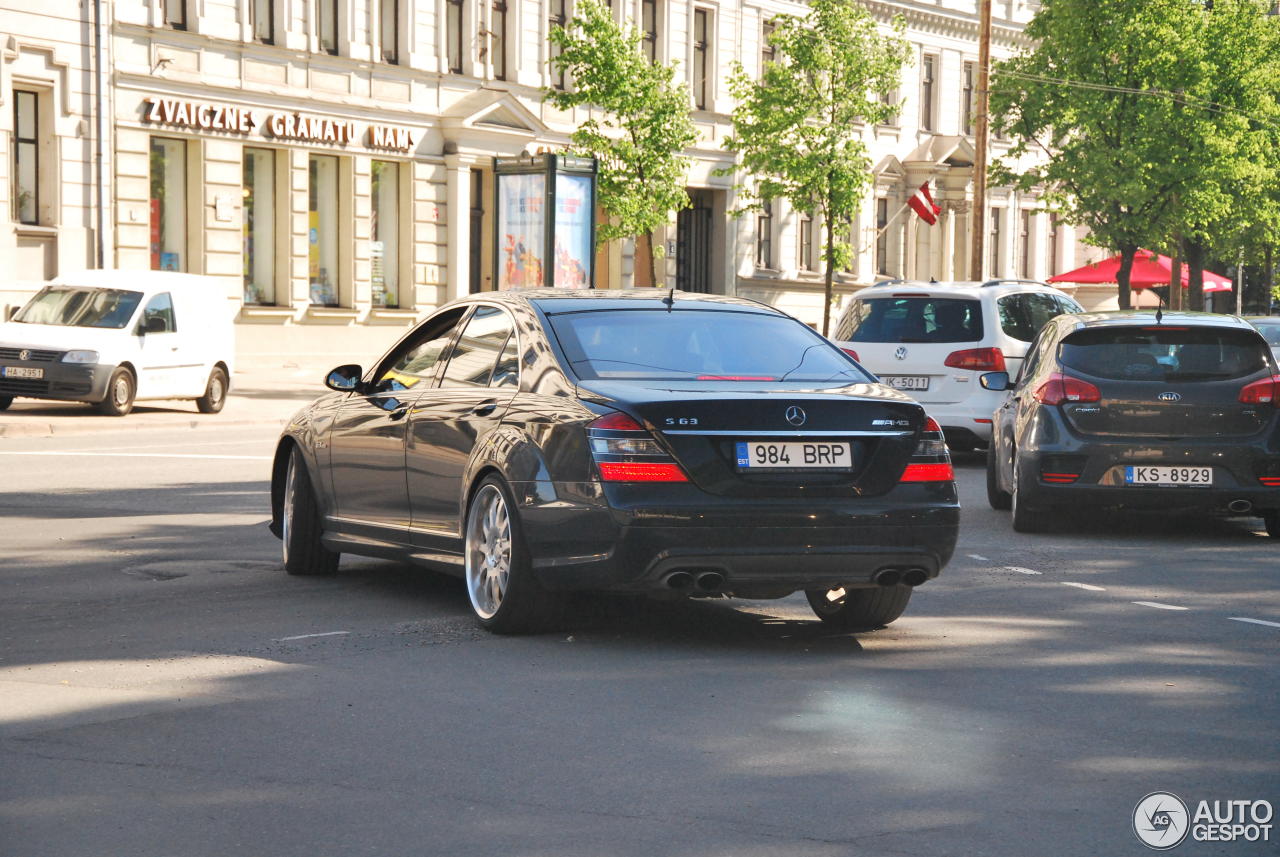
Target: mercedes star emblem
796	415
901	353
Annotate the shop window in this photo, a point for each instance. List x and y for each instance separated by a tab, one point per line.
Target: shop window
453	35
498	39
384	251
259	226
882	236
168	205
262	19
928	80
327	16
175	13
768	53
26	157
649	28
701	57
764	235
322	229
966	97
389	30
558	17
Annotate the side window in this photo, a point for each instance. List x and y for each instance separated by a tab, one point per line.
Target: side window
157	316
507	372
1036	355
1067	306
1022	315
476	354
414	364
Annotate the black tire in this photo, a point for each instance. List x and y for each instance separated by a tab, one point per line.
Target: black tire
120	392
1272	521
860	609
5	402
998	499
1026	518
215	392
302	524
505	596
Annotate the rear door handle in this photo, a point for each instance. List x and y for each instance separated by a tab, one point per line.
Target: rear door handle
484	409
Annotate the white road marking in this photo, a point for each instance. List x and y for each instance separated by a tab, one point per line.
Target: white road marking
167	445
1161	606
1088	586
309	636
1021	570
978	557
1256	621
141	455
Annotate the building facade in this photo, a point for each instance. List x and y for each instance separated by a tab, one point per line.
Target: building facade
331	161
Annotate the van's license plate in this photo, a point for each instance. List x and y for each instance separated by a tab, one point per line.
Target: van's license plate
789	455
21	372
1182	477
906	382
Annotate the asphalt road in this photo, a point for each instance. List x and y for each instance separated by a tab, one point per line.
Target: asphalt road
165	689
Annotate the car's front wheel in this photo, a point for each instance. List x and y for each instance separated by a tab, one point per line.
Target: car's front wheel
505	597
858	609
215	392
120	392
301	524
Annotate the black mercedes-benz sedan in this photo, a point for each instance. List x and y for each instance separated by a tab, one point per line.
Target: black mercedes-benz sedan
1139	410
642	441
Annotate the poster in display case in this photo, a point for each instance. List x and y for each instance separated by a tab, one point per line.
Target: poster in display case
545	232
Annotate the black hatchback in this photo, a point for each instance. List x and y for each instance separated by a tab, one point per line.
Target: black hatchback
1139	410
641	441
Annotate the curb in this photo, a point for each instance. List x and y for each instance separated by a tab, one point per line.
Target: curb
42	429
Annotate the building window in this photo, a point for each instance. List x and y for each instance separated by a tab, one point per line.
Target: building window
26	157
768	53
882	236
322	229
175	13
168	204
389	30
498	39
558	17
259	226
262	20
805	262
890	99
966	97
327	15
1053	244
384	250
649	28
928	75
701	53
764	235
453	35
1024	244
994	250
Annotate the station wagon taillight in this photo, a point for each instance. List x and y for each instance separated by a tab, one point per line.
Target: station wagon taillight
1264	392
625	452
977	360
852	354
1062	388
930	462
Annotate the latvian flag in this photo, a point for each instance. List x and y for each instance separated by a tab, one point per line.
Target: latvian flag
922	203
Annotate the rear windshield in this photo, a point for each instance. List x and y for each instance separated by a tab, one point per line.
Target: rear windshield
921	319
698	344
1165	354
69	306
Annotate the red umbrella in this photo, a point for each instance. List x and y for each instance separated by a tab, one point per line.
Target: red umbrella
1149	269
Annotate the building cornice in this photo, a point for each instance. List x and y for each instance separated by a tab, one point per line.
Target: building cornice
942	22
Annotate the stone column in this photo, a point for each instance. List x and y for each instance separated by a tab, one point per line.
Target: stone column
457	212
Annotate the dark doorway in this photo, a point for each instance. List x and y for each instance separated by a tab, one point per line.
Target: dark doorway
477	229
693	244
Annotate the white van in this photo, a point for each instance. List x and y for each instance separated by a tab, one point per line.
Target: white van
115	337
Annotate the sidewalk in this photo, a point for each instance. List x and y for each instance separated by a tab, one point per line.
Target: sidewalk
259	396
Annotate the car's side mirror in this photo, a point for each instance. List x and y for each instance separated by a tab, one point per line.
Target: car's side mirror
995	381
156	324
344	379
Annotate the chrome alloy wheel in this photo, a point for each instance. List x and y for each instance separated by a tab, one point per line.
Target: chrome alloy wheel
488	551
286	508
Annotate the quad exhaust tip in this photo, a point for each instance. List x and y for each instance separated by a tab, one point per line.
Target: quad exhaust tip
915	576
710	581
888	577
894	576
679	580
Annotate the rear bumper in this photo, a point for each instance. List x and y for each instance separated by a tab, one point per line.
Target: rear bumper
773	548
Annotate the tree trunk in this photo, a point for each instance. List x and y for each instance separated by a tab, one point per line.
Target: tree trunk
829	279
1122	276
1175	279
1195	274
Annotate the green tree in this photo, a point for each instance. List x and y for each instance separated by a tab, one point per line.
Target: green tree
638	123
798	128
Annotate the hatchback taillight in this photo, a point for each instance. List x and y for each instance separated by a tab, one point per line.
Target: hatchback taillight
1064	388
930	462
977	360
1264	392
625	452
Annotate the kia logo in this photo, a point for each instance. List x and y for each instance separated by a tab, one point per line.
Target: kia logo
1170	397
901	353
24	354
796	415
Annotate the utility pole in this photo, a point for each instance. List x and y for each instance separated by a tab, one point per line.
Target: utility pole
978	216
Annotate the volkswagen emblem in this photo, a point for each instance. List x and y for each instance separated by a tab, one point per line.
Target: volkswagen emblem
24	354
796	415
901	353
1170	397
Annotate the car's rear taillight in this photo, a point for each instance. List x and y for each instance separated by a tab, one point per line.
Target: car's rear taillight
977	360
1264	392
1064	388
930	462
625	452
851	353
